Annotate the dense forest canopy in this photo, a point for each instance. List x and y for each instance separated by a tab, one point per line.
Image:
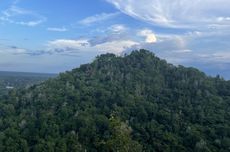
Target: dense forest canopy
133	103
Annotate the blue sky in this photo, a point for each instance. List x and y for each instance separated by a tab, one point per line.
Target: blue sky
54	36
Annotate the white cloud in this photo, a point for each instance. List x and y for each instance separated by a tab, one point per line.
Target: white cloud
166	43
117	28
149	35
177	13
20	16
221	56
116	47
221	19
30	23
68	44
12	50
98	18
182	51
76	46
57	29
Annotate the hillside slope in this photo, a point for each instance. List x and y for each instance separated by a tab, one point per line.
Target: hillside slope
132	103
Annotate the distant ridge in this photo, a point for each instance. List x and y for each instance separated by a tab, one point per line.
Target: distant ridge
11	73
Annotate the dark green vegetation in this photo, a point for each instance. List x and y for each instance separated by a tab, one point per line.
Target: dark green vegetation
127	104
16	80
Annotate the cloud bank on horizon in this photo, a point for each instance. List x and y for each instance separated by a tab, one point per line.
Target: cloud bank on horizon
191	33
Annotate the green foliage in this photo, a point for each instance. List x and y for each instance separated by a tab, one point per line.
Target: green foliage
120	139
132	103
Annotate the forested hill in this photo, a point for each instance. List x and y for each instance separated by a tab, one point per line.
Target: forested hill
128	104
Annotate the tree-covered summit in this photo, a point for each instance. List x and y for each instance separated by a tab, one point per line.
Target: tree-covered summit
137	102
